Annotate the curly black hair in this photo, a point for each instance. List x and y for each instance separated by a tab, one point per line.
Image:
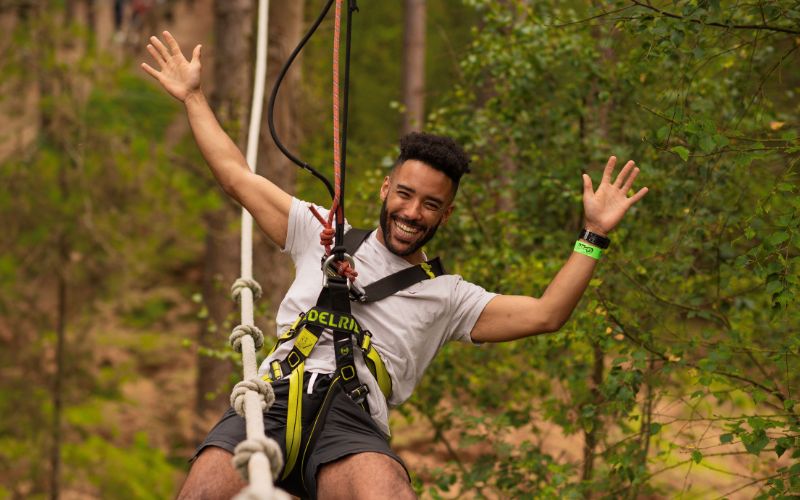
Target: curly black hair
438	151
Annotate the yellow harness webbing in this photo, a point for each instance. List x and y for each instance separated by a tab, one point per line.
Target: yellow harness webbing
304	343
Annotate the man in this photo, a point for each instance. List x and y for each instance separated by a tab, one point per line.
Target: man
348	456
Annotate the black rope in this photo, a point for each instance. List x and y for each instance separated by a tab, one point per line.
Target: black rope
274	94
353	7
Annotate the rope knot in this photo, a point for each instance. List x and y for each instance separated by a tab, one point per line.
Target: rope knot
265	394
240	331
326	236
259	444
242	283
346	270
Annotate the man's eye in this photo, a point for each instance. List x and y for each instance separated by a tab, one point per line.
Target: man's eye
403	194
432	206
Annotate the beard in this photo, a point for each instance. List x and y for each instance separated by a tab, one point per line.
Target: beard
427	233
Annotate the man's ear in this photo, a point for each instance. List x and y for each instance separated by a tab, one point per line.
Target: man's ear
385	188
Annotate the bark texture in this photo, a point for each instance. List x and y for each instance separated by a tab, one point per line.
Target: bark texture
273	269
414	65
233	37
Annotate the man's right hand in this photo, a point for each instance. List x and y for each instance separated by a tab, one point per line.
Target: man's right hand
179	77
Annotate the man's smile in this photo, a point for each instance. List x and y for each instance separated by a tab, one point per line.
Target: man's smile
405	230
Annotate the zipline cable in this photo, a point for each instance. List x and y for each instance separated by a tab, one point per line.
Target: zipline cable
352	7
271	108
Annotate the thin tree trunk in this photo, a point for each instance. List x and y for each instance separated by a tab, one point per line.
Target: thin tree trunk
414	65
230	98
273	269
61	326
38	18
591	436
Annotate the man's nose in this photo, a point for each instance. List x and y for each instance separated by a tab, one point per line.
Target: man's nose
412	210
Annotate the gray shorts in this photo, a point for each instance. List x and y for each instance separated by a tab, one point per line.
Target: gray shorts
345	430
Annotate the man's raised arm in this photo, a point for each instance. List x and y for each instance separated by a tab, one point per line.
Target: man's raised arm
267	203
510	317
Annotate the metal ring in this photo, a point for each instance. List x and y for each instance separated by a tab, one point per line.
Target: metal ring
332	272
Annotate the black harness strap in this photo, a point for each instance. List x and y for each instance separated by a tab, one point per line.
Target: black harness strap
335	297
393	283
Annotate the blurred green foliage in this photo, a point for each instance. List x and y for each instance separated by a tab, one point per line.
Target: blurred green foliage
698	292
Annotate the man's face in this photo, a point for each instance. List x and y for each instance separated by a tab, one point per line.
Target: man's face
416	199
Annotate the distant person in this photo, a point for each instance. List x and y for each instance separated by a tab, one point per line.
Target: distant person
343	450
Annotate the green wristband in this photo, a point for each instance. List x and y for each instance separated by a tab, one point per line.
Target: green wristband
587	249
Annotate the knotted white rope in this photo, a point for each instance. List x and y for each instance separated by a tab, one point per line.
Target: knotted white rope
242	283
245	330
261	444
258	458
264	390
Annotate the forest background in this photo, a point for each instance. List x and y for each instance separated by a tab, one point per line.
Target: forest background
677	375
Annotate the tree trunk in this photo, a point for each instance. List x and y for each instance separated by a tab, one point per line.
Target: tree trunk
273	269
414	66
230	99
591	436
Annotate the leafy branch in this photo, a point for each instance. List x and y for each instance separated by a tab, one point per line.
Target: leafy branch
766	27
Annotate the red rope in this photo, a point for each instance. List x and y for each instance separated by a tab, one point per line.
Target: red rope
328	233
337	143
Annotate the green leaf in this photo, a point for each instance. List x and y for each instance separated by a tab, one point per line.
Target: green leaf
707	144
774	286
697	456
777	238
682	152
755	442
726	438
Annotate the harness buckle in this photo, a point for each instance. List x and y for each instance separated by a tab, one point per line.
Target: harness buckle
365	340
328	265
359	394
357	295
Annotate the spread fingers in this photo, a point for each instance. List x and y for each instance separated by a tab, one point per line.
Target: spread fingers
165	54
156	55
623	174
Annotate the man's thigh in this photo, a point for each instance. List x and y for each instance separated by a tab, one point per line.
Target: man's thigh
212	476
364	475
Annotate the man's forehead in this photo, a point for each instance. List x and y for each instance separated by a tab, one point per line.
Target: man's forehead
418	175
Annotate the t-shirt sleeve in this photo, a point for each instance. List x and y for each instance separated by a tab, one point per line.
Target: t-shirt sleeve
468	301
302	233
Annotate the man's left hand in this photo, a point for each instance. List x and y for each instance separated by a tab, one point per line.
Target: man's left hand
605	207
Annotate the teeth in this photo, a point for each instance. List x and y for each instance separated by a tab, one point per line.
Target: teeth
406	229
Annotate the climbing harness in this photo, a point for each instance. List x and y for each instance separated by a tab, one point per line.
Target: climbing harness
332	312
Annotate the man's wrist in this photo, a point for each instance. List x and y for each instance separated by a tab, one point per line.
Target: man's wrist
596	229
194	96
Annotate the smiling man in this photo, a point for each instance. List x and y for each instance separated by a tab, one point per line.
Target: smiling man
336	445
421	190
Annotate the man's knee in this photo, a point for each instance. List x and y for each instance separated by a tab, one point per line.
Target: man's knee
212	476
364	475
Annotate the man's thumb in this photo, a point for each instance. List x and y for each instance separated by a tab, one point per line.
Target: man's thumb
196	53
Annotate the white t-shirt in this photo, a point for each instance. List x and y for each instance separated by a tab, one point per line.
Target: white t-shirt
408	328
